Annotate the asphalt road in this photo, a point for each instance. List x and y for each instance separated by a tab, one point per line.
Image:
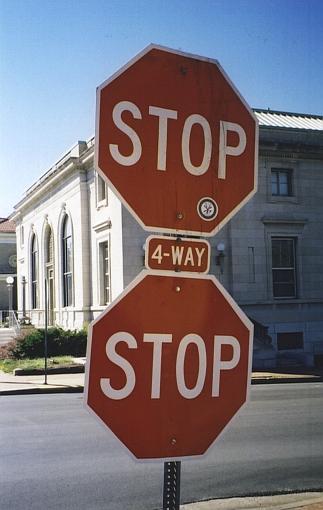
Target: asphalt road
54	455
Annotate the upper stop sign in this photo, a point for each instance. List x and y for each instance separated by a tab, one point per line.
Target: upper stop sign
176	141
169	364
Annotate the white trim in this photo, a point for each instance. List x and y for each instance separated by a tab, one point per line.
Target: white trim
60	264
100	273
103	202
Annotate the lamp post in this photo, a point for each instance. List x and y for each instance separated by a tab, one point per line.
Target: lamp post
23	283
10	281
220	256
46	328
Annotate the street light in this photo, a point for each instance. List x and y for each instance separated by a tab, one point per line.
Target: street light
23	283
10	281
219	260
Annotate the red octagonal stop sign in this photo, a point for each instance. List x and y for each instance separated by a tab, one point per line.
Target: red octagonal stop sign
176	141
169	364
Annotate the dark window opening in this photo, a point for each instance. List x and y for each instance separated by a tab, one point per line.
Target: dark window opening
101	189
289	341
67	263
284	267
34	272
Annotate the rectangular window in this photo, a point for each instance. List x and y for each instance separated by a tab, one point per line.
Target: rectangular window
68	296
105	283
289	341
284	267
67	246
251	264
101	191
281	182
34	295
22	236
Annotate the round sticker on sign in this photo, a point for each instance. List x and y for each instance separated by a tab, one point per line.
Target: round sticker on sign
207	208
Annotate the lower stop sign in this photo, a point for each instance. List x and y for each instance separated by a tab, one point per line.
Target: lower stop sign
169	364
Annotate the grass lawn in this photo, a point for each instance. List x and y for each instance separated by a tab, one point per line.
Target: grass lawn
8	365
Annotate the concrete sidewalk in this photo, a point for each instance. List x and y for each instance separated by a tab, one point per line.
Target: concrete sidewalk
304	501
28	384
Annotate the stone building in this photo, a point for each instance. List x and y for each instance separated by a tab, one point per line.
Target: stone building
274	267
73	232
8	263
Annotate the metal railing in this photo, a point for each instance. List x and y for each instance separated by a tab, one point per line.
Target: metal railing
8	319
13	321
4	318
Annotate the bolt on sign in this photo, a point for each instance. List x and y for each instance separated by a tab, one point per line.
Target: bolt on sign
169	361
175	125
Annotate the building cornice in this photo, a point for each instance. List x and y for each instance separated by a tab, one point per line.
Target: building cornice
70	162
283	221
290	150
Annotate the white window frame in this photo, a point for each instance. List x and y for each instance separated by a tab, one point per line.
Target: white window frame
65	274
288	166
101	191
279	172
104	263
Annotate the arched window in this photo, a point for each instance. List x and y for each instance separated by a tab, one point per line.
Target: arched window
34	271
49	272
67	252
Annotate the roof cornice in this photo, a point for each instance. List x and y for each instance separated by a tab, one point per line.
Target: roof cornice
71	161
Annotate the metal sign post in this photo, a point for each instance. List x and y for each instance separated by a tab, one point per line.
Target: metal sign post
161	313
172	485
46	326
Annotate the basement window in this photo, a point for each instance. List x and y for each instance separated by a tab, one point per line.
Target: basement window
290	340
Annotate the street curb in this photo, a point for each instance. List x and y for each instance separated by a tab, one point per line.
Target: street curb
79	389
284	380
265	502
45	390
70	369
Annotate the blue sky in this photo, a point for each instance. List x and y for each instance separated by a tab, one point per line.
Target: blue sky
54	53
